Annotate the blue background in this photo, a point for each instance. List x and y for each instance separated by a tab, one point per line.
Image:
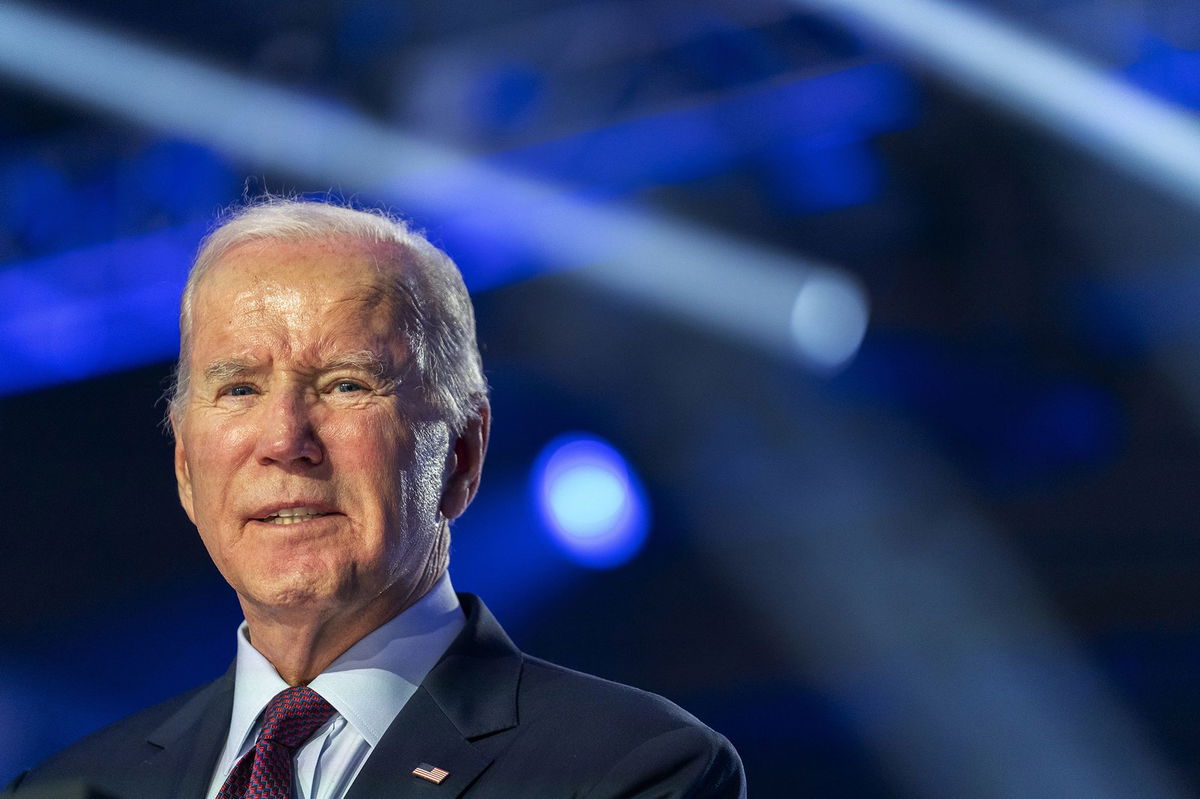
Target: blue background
962	562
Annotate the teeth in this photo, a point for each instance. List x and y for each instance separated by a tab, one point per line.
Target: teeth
296	512
292	516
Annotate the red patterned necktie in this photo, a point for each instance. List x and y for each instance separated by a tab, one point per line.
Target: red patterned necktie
265	772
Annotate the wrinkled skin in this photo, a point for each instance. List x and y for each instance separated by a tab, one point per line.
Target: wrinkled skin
300	403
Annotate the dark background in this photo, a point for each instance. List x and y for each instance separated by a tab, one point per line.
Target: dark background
961	561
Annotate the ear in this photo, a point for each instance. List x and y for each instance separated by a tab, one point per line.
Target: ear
464	463
183	475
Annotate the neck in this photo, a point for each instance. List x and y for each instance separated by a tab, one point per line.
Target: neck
301	643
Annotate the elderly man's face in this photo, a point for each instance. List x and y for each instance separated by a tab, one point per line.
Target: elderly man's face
296	457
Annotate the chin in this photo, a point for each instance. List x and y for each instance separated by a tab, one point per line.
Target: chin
292	591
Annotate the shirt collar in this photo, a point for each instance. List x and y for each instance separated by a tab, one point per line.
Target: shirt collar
371	681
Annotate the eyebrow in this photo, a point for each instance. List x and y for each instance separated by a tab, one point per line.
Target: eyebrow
226	369
365	361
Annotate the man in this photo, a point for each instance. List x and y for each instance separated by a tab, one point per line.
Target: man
330	419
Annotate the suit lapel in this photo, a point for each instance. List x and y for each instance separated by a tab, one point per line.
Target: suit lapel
188	744
421	734
470	695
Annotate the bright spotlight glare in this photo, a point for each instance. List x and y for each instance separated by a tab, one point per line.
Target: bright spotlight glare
829	318
590	500
587	499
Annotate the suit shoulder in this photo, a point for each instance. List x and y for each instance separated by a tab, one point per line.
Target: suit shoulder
562	689
612	737
120	744
575	734
607	707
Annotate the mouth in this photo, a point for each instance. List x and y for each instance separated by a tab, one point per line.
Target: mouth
291	516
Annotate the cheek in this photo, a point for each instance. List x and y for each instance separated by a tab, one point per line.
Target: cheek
398	468
368	455
213	456
367	442
423	475
431	444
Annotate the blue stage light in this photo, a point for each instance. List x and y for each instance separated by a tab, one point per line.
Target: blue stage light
590	500
1168	72
94	310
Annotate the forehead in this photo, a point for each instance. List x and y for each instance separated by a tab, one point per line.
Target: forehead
295	289
331	261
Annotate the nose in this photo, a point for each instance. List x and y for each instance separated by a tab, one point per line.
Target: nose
287	436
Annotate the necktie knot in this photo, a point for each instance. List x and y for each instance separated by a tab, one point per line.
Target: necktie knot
265	772
294	715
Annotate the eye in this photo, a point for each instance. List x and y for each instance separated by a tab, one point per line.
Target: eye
240	390
346	386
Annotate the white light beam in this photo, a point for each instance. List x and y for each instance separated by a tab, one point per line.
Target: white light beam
1051	87
741	288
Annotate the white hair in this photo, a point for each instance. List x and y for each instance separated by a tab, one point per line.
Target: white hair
433	308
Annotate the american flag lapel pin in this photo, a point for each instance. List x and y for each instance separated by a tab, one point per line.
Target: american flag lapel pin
431	773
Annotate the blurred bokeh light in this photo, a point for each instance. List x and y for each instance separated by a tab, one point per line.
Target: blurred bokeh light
590	500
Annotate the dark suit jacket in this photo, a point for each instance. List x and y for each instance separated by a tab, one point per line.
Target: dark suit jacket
505	725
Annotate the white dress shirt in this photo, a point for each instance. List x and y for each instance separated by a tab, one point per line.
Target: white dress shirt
368	686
